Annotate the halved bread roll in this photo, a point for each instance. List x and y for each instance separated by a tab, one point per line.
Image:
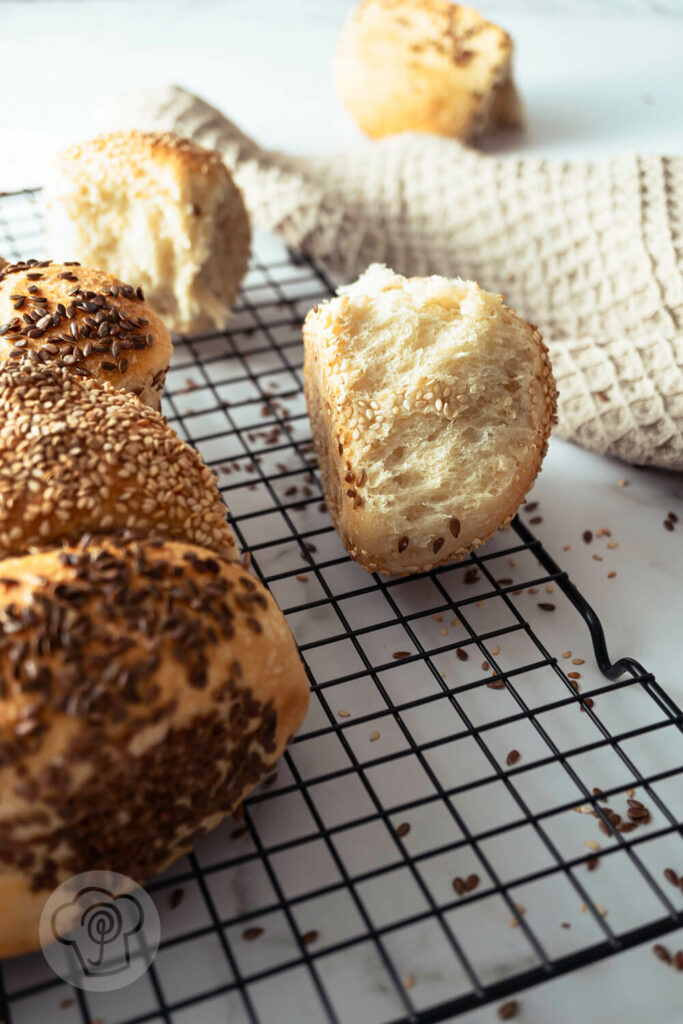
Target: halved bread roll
431	405
158	210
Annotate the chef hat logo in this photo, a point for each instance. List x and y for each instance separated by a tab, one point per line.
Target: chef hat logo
98	925
99	931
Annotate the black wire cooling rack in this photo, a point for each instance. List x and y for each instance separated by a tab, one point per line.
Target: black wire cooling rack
418	852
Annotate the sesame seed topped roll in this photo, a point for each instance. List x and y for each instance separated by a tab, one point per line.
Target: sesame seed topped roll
78	456
147	686
64	314
431	404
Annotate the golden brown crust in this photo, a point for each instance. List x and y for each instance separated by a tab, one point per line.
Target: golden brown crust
129	150
425	66
78	456
90	321
147	687
348	452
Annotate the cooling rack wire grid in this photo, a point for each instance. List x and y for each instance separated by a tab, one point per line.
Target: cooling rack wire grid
418	852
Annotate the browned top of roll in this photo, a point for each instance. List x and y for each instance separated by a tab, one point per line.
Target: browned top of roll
64	314
78	456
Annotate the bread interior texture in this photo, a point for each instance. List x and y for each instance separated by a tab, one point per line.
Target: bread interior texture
451	381
163	230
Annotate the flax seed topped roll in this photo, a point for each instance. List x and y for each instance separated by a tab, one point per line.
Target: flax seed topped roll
426	66
147	686
159	210
79	456
431	404
89	321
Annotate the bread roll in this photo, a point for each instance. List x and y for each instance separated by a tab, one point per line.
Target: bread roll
68	315
431	404
76	455
426	66
147	687
155	209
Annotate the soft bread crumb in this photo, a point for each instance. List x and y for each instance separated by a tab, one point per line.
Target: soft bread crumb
157	210
431	404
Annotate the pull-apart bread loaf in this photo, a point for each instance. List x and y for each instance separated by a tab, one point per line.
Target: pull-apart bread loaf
147	686
67	315
431	404
76	455
155	209
426	66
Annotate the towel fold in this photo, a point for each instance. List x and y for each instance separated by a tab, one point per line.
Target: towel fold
592	253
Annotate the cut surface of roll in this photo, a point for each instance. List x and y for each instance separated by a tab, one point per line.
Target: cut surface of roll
147	686
159	210
426	66
94	324
431	404
79	456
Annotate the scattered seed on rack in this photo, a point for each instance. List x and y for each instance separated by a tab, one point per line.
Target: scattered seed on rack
678	960
249	934
462	654
177	897
566	654
578	661
409	981
459	886
443	631
587	536
485	666
611	575
508	1010
668	525
471	882
513	757
671	876
344	714
398	655
565	924
662	953
531	506
438	618
574	675
237	833
374	736
546	606
598	558
403	829
302	577
535	520
592	845
589	702
592	863
66	1003
310	937
533	590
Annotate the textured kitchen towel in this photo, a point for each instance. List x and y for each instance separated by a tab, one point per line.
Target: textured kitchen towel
590	252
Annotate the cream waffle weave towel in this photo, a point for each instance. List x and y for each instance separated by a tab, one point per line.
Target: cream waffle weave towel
590	252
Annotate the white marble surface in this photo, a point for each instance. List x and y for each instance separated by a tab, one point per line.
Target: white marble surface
597	78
